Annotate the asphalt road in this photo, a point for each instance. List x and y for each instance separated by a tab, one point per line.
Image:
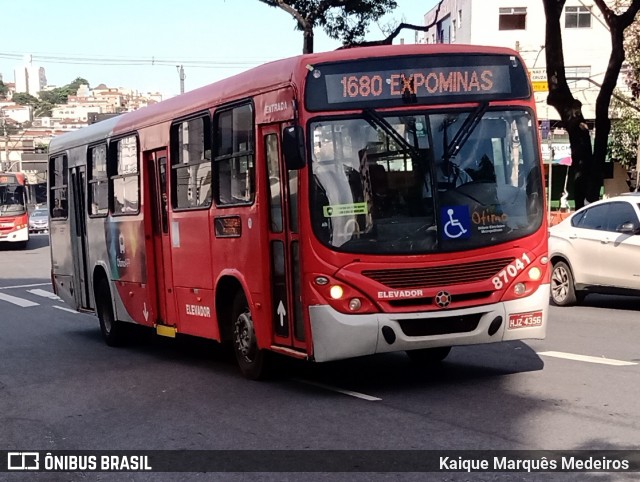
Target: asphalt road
62	388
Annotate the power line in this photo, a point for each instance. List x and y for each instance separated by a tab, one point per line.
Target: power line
132	61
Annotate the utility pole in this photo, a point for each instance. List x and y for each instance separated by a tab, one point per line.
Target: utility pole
6	144
181	73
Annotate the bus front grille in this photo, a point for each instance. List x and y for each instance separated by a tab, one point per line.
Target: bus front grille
440	326
403	278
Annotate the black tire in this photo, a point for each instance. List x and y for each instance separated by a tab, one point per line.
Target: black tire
251	359
563	290
112	329
429	356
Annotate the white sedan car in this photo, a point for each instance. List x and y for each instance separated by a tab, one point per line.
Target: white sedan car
597	250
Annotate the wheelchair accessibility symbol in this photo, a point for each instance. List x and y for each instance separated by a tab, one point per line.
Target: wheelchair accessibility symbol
456	221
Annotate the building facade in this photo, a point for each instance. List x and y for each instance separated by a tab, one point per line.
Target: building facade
30	78
520	25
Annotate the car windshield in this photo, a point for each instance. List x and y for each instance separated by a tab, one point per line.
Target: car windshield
39	214
419	183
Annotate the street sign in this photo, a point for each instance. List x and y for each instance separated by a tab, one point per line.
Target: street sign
539	80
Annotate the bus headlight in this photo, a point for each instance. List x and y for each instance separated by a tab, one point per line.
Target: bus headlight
519	288
355	304
336	292
535	273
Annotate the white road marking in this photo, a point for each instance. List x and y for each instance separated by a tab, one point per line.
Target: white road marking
17	301
24	286
45	294
66	309
362	396
585	358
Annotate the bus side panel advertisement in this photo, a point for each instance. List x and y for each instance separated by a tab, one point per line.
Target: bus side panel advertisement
125	243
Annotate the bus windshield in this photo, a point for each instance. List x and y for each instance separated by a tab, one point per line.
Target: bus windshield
425	182
12	200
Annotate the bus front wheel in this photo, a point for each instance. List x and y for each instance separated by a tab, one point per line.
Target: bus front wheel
251	359
112	329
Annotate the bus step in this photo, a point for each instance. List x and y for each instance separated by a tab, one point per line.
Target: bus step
164	330
290	352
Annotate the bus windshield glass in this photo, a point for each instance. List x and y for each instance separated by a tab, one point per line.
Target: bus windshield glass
425	182
12	200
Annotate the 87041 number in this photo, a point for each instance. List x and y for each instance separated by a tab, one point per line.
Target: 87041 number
512	270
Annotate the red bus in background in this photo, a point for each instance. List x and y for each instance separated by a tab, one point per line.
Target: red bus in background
14	216
325	206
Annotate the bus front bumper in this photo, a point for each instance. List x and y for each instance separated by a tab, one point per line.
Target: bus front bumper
338	336
18	235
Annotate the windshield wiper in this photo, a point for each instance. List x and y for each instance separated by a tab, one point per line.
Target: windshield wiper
388	129
470	123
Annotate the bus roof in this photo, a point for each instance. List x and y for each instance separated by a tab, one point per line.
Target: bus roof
258	79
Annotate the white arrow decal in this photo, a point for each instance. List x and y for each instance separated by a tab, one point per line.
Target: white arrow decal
281	312
145	312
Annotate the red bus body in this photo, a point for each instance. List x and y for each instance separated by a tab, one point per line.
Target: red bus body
14	217
186	216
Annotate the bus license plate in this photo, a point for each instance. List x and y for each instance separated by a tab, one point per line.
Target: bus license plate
525	320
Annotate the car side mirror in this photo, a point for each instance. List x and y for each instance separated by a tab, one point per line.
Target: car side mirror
293	147
628	228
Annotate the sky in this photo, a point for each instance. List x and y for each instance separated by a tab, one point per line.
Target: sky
138	44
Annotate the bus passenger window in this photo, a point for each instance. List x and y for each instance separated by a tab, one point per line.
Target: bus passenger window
234	156
191	163
125	182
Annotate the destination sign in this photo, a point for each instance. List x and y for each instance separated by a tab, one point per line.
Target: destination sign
391	84
7	179
416	80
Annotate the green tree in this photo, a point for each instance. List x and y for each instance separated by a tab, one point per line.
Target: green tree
43	109
3	90
625	114
53	96
625	132
588	162
344	20
22	98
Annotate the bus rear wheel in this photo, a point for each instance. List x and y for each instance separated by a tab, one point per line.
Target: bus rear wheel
429	356
112	329
251	359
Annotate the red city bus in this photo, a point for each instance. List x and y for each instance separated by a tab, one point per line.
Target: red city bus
14	216
325	206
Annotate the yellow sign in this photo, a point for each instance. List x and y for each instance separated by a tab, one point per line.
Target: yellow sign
539	80
336	210
540	86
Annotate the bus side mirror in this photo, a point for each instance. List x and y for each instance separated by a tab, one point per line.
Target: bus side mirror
293	147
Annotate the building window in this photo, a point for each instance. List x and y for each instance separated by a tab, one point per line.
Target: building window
191	163
234	153
513	18
577	17
125	183
444	30
98	181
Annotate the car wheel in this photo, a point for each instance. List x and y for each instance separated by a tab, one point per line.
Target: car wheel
563	290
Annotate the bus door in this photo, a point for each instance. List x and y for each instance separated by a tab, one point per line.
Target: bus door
284	247
79	236
157	239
